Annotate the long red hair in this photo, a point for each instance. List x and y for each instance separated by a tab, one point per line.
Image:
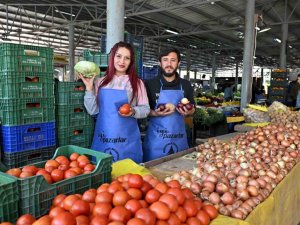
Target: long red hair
111	70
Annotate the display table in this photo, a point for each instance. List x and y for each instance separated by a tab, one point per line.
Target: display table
280	208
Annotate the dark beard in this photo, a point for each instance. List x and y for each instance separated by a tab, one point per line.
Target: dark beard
169	74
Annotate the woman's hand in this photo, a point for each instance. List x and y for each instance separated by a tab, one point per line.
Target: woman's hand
88	82
130	114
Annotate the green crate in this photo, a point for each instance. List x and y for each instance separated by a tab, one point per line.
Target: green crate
26	111
282	92
36	195
72	115
26	85
101	59
75	135
69	93
9	198
278	74
16	57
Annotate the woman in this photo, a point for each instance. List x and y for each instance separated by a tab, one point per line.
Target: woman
117	134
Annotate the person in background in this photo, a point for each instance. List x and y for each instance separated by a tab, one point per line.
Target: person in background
294	92
166	132
228	93
117	134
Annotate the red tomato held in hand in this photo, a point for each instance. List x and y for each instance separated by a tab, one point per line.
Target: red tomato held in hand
125	109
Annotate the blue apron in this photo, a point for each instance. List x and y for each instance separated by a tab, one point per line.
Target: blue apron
165	134
114	134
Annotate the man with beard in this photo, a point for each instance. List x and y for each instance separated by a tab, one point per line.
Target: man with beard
166	132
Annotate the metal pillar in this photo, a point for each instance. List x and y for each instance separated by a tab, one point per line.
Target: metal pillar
248	54
284	29
115	22
236	82
71	52
213	73
188	64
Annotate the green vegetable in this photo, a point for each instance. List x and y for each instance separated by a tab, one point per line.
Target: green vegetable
87	68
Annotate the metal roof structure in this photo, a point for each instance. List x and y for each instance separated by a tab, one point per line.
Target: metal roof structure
203	27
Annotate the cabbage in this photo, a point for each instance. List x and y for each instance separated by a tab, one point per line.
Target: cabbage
87	68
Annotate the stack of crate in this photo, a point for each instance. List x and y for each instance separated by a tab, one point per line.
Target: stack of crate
74	126
100	59
26	104
278	86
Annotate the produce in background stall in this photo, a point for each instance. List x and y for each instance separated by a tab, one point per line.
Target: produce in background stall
125	201
238	175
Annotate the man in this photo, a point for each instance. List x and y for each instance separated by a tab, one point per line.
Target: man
166	132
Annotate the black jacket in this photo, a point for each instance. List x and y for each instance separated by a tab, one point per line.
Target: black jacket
153	87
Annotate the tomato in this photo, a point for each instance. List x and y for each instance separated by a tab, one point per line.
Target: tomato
174	184
64	167
120	213
144	203
178	194
193	221
161	210
154	182
69	201
188	193
14	172
104	197
62	160
161	222
30	169
125	109
174	220
147	177
125	185
55	211
170	201
120	198
152	196
74	164
135	221
57	175
133	205
80	207
198	203
147	215
203	217
46	175
115	223
102	209
161	187
6	223
89	195
103	187
190	207
83	163
89	167
51	163
82	157
44	220
145	188
135	181
211	211
135	193
77	170
25	219
74	156
70	173
82	220
26	174
58	199
99	220
181	214
64	218
114	187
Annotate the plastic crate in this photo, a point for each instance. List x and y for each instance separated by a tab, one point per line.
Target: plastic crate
27	137
69	93
26	111
26	85
72	115
279	92
9	198
36	195
278	74
101	59
16	57
275	83
19	159
75	135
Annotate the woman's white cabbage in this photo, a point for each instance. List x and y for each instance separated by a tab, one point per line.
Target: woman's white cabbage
87	68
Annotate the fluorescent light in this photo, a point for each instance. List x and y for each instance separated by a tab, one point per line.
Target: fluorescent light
171	31
290	46
56	10
264	30
277	39
125	17
232	57
193	46
170	40
257	28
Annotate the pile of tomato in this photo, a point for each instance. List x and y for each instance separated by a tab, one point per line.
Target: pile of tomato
56	169
129	200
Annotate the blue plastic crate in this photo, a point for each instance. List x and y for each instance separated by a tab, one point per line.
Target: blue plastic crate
27	137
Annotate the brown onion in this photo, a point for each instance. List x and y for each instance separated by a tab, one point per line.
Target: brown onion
228	198
253	191
214	198
209	186
221	188
237	214
224	211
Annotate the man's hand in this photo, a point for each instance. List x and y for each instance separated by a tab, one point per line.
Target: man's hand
184	112
158	112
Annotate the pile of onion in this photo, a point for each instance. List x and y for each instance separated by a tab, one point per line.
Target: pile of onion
238	175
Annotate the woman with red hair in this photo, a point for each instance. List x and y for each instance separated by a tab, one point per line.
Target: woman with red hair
115	133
